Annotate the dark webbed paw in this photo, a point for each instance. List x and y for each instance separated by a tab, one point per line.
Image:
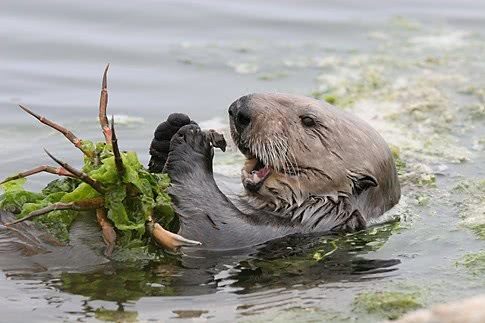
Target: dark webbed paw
190	152
160	145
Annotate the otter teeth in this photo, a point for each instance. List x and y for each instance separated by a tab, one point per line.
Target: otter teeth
254	177
251	177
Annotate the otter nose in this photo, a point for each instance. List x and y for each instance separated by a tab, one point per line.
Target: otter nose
240	114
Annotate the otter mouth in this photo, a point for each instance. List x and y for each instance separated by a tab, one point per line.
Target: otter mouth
254	174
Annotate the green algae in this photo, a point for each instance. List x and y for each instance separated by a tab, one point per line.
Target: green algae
474	263
296	314
472	205
386	305
473	187
345	92
322	254
478	230
396	154
126	283
272	76
405	23
296	258
423	200
119	315
17	196
423	116
129	199
17	200
419	175
476	111
432	61
330	99
244	67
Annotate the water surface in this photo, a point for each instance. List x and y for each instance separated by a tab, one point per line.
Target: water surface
413	69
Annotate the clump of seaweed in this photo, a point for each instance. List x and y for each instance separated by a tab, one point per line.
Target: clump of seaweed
474	263
472	205
389	305
131	204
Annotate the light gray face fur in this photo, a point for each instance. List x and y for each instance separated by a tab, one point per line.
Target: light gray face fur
316	153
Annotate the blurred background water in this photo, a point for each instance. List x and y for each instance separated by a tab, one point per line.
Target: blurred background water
197	57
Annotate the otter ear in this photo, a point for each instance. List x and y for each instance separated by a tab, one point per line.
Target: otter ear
363	182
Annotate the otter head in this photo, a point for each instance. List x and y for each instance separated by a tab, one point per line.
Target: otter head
299	148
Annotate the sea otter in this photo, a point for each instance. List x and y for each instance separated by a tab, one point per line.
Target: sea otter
310	168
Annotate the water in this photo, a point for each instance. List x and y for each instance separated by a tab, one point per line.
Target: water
411	68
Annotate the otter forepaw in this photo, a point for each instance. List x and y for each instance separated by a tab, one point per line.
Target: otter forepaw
193	138
190	151
160	145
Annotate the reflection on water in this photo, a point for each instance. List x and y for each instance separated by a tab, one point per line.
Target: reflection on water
315	261
308	261
301	262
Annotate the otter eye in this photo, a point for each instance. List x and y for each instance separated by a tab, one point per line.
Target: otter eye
307	121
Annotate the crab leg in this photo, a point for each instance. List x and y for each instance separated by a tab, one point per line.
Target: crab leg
217	140
109	234
116	150
79	174
168	240
103	103
89	204
67	133
61	171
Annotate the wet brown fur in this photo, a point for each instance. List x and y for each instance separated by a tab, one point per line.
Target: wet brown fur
333	176
328	159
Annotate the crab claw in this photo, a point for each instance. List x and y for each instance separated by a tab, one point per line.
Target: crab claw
169	240
108	231
103	104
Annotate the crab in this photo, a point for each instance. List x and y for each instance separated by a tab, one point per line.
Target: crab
165	238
